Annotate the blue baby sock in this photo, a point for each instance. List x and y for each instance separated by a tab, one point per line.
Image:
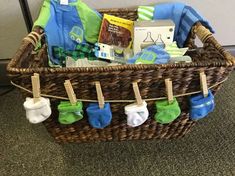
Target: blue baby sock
151	55
99	118
201	106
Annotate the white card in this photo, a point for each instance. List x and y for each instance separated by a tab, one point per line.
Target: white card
64	2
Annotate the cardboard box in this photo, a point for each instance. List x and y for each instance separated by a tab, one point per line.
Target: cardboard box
148	33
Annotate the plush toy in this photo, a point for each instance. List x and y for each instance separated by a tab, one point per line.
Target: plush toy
67	25
39	111
136	114
68	113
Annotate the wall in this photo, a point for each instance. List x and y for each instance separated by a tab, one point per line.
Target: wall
12	28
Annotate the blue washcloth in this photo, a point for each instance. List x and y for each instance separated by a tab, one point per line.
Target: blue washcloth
151	55
99	118
183	16
201	106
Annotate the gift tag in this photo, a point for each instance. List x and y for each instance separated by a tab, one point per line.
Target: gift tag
64	2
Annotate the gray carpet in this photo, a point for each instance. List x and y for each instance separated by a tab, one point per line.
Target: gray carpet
209	149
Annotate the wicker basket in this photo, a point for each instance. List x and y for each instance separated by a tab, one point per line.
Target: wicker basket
116	85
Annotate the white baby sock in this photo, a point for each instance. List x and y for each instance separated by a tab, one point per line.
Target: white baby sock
37	112
136	115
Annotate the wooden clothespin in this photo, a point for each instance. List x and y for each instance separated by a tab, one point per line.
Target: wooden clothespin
137	93
70	92
169	90
36	87
203	83
100	96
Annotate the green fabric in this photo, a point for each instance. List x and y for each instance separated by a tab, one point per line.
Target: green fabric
44	15
167	113
145	12
68	113
91	22
82	51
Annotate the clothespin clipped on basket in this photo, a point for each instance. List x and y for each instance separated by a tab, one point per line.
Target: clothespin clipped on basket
36	87
137	94
203	83
100	96
169	90
70	92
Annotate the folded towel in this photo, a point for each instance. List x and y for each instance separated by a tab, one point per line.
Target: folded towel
184	18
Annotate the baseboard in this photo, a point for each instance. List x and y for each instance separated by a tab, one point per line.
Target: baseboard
4	80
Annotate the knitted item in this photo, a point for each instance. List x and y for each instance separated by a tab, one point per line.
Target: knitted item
201	106
183	16
99	118
167	113
136	115
37	112
67	25
145	13
151	55
68	113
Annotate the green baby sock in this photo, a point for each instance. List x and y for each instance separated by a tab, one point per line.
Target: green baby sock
68	113
167	113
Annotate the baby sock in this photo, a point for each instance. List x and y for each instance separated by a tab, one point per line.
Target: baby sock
201	106
99	118
167	113
37	112
136	115
68	113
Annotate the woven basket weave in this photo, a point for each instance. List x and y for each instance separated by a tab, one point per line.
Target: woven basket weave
116	85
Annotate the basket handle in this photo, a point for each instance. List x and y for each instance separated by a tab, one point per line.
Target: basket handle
206	36
34	37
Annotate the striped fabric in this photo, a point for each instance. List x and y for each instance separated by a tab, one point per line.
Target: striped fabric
174	51
183	16
145	13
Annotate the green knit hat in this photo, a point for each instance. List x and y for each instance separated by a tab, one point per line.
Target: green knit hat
167	113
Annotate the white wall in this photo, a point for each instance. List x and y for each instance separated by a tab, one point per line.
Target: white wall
12	28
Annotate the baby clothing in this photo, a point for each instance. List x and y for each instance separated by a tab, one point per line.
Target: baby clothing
68	113
183	16
136	115
66	26
37	112
174	51
151	55
99	118
145	12
167	113
201	106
